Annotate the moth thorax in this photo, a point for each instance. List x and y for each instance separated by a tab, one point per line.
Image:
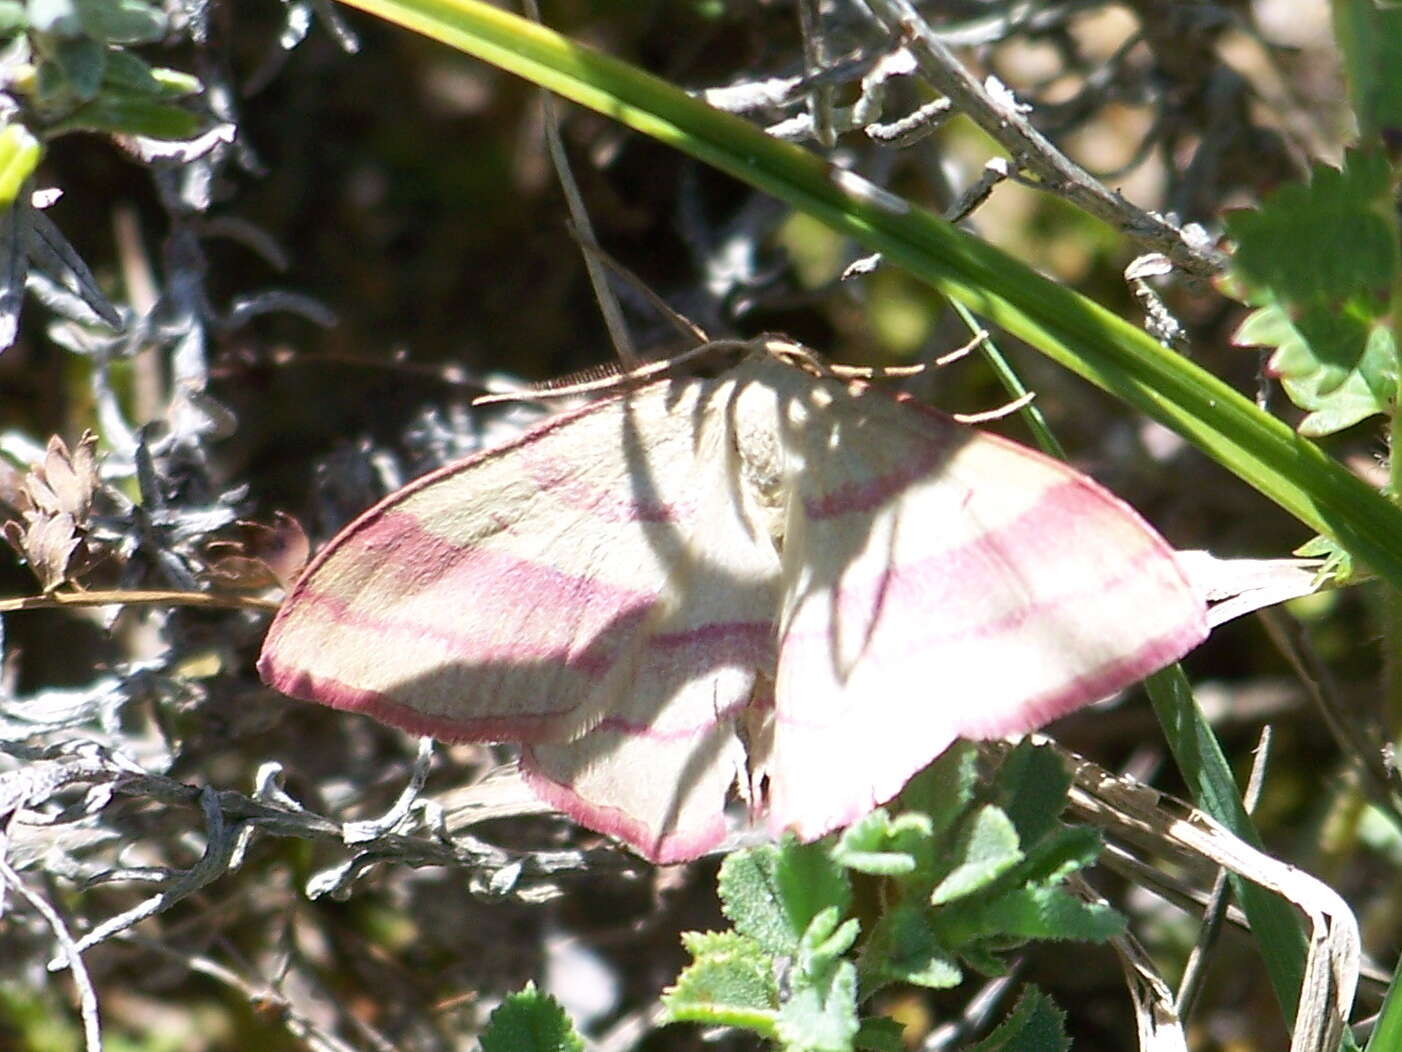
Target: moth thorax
759	464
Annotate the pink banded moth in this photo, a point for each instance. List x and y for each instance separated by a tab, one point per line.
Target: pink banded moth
774	580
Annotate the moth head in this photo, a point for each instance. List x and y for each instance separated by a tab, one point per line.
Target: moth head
790	353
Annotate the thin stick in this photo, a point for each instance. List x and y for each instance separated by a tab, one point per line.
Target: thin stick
1030	149
680	322
203	600
87	995
1195	970
814	60
608	302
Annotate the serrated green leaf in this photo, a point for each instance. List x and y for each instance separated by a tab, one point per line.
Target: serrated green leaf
1340	367
19	156
945	788
530	1021
772	893
129	115
984	961
809	882
1338	563
1028	913
879	1034
749	896
1327	242
723	943
905	948
1035	1024
122	21
1370	36
820	1014
1055	857
1032	784
988	848
883	846
1318	261
730	983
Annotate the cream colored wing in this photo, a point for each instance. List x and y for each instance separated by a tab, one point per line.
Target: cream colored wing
943	583
595	589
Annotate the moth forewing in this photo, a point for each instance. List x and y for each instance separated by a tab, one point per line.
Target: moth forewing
774	576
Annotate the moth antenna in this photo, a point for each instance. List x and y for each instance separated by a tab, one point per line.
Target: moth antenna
875	372
579	217
610	377
602	377
995	414
960	352
811	361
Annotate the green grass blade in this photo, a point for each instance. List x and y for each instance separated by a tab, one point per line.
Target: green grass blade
1387	1034
1069	328
1204	767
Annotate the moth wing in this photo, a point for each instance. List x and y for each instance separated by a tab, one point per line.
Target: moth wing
941	583
593	589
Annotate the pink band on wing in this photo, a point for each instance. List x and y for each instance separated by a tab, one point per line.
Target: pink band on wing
298	683
565	485
661	848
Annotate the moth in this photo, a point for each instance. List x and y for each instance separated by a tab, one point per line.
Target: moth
776	580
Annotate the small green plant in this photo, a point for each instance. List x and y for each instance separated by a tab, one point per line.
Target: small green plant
964	877
74	71
530	1021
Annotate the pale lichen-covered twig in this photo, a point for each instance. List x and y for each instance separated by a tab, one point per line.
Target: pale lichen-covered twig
996	113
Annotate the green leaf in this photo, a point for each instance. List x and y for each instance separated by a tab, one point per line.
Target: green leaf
1029	913
945	788
1035	1024
820	1014
56	17
122	21
1327	241
826	939
130	115
1340	366
749	896
1338	563
987	849
983	960
1318	262
1369	34
19	156
530	1021
81	61
773	892
882	846
176	84
879	1034
730	983
1055	857
1032	784
905	948
132	75
810	882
